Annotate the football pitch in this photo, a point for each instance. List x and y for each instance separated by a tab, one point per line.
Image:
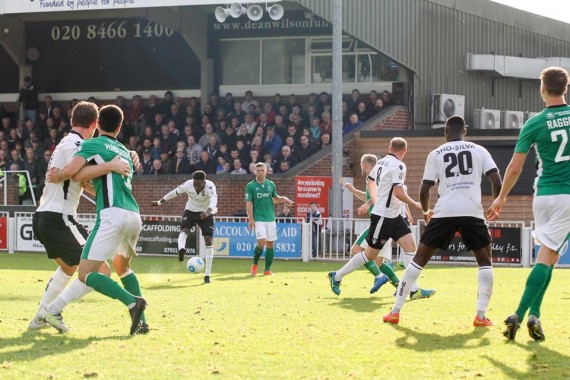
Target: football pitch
288	326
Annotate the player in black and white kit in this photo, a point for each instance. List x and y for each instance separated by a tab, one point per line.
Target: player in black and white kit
202	204
458	166
386	189
54	223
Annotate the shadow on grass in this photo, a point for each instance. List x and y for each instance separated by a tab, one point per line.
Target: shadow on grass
362	305
424	342
32	345
543	363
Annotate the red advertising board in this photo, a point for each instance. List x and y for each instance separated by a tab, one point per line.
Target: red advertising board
3	233
312	189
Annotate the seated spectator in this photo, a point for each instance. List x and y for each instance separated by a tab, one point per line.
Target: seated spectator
263	121
305	149
253	158
326	125
378	106
345	113
250	124
224	152
229	137
292	144
243	135
205	139
353	101
270	162
372	96
352	124
228	102
238	169
213	148
167	139
30	164
315	128
280	127
220	165
362	111
386	98
157	168
249	101
180	164
257	144
242	149
166	162
193	150
323	102
237	112
285	215
277	102
272	143
156	149
283	167
205	164
226	169
292	131
287	155
146	162
325	140
269	112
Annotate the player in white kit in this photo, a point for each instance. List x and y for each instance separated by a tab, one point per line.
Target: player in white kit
458	166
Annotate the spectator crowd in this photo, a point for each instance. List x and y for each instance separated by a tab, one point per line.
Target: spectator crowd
174	136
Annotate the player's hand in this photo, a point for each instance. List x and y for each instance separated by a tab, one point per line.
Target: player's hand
136	160
427	217
120	166
52	175
494	210
250	225
288	202
349	187
362	210
155	204
204	215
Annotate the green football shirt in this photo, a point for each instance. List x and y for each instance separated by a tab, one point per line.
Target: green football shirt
261	195
112	190
549	132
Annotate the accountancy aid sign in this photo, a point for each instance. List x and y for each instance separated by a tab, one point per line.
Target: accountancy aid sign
234	239
312	189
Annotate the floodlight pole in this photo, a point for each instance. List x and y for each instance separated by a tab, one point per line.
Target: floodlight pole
337	151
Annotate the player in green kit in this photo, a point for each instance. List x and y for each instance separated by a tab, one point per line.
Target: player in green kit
260	197
118	222
548	132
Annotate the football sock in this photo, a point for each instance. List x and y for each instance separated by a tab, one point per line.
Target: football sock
73	292
411	275
390	273
485	289
535	282
408	256
269	254
209	256
131	285
54	287
535	305
372	268
182	240
109	287
257	254
353	264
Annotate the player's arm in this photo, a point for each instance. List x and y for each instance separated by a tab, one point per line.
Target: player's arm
88	187
136	161
425	199
67	172
170	195
249	211
278	199
213	205
401	194
116	165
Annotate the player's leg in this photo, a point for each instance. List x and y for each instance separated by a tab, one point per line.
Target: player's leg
207	228
185	226
382	272
271	230
552	217
131	284
260	236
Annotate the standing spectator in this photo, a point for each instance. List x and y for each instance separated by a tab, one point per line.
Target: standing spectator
30	164
260	197
193	150
249	101
314	217
29	99
548	133
48	100
272	143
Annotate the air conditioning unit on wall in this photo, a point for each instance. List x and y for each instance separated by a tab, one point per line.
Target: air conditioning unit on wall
486	119
447	105
512	119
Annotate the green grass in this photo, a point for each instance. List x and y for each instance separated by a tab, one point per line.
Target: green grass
284	327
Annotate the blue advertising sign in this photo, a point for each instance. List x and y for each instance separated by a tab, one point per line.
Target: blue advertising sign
235	240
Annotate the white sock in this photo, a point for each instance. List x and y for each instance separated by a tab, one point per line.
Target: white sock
485	281
55	285
182	240
209	259
408	256
73	292
411	275
353	264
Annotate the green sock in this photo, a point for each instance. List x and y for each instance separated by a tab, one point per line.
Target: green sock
109	287
372	268
534	283
535	305
390	273
269	254
131	285
256	255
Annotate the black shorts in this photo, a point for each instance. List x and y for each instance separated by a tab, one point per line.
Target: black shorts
62	236
440	231
192	218
382	228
